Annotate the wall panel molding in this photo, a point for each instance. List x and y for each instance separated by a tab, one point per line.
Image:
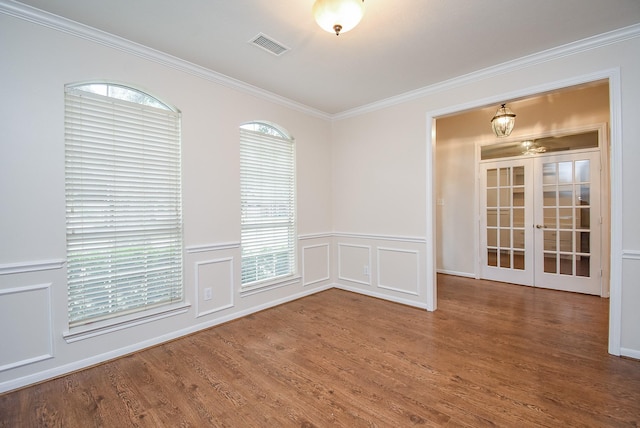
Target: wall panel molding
326	275
217	289
401	280
351	275
34	311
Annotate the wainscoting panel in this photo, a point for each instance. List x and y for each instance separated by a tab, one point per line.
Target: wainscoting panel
214	285
629	338
315	264
398	270
25	317
354	263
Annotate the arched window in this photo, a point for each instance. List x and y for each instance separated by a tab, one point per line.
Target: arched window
268	203
123	200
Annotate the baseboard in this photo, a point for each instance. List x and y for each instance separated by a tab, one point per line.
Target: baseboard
455	273
408	302
631	353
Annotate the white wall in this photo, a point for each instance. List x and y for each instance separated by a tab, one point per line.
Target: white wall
375	195
457	136
37	62
379	205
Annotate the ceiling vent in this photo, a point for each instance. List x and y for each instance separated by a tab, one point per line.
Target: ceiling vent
268	44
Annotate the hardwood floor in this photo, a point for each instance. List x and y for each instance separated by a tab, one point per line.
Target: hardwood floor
492	355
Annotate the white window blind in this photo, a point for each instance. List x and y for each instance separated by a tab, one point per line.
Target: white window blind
268	215
123	206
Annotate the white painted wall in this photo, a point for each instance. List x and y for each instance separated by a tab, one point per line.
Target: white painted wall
379	153
37	62
457	136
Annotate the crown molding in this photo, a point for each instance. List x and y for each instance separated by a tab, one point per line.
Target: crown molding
55	22
40	17
568	49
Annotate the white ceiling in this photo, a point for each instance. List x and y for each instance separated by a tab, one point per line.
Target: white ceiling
400	45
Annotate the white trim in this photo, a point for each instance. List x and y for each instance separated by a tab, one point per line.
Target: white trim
568	49
631	353
387	297
315	236
268	286
456	273
431	276
414	239
344	278
328	276
197	286
398	250
613	76
26	362
85	32
477	239
98	329
34	266
631	254
615	219
45	356
192	249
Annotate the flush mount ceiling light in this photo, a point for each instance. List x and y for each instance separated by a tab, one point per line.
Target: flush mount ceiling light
502	123
338	16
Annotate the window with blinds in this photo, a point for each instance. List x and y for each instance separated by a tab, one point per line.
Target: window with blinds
268	208
123	202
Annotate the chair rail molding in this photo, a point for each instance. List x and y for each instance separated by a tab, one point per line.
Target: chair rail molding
31	266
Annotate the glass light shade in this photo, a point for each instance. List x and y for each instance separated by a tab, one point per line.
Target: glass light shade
503	121
338	16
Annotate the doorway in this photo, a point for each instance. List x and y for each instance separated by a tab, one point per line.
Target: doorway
450	177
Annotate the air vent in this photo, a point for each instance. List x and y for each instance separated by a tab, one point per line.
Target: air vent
268	44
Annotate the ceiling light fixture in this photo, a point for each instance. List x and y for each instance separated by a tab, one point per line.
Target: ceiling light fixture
532	148
503	122
338	16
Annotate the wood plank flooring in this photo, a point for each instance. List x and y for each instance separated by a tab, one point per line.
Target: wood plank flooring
492	355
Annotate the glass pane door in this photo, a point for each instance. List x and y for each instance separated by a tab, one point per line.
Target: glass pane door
540	221
505	237
568	222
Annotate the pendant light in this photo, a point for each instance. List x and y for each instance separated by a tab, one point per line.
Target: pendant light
503	121
338	16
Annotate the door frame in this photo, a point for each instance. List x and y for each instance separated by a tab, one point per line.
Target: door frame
605	229
615	184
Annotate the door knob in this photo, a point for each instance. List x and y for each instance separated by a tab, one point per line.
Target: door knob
540	226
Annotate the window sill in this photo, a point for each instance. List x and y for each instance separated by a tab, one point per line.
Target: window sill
75	334
269	285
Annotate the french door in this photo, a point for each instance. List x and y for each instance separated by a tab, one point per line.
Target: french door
540	221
